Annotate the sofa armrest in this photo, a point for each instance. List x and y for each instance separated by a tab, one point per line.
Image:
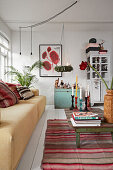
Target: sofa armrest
35	92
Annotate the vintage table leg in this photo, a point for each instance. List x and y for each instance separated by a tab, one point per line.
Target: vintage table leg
112	136
78	140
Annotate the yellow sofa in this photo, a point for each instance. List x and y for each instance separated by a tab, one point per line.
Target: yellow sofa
16	127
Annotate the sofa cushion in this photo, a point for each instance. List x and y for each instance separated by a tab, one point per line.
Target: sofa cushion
7	97
25	92
39	101
14	89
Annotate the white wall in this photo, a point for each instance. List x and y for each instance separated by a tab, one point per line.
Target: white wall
75	38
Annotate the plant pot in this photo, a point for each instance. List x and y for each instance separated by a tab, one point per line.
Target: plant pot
108	106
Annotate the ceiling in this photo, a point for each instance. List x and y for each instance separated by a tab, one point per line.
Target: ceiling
23	12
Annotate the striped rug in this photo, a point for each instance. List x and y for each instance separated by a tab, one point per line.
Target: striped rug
60	152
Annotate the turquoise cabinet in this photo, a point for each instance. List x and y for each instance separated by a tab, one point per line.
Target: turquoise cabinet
62	98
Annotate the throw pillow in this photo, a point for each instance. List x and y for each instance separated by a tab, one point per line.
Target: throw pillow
25	92
7	97
14	89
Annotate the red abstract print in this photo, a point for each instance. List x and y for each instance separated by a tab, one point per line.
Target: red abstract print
51	57
47	65
54	57
49	49
44	55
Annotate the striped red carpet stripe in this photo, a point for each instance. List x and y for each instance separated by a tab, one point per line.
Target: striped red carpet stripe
60	152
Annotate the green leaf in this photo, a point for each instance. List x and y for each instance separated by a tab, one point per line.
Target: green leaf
111	84
37	64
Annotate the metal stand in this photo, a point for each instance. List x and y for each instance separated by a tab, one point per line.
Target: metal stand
72	107
86	109
80	104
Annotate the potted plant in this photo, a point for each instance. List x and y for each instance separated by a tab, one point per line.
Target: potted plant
25	78
108	98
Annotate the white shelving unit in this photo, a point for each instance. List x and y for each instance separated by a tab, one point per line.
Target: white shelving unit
101	62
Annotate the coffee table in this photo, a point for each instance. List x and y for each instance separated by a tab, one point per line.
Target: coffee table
105	127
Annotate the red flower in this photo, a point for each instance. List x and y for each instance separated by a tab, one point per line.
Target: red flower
49	49
47	65
44	55
54	57
83	65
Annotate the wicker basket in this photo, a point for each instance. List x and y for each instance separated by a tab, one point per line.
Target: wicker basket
108	106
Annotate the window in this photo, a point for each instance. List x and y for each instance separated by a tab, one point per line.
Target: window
5	58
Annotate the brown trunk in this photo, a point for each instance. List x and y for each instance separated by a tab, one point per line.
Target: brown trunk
108	106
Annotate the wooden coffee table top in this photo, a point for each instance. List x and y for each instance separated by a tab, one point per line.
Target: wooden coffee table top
100	113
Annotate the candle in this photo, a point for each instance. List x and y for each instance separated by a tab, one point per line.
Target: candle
67	64
80	92
85	93
88	90
72	90
76	85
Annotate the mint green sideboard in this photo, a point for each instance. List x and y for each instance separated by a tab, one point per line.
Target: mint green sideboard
62	98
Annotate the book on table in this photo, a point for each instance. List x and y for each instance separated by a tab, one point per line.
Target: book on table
85	119
83	124
85	115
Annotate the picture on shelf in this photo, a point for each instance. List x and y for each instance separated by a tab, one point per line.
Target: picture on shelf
51	56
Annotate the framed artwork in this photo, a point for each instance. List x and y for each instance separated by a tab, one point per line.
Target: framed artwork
50	55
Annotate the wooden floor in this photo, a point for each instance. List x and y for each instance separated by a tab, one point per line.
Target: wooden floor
31	159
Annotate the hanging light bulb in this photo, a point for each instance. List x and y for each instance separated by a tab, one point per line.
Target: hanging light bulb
31	40
20	40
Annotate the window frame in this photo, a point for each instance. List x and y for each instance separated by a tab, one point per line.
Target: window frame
4	56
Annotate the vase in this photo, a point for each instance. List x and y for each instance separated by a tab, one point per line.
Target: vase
108	106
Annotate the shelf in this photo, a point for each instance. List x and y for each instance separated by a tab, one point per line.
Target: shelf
96	63
100	72
106	79
95	72
104	71
99	102
104	55
101	63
